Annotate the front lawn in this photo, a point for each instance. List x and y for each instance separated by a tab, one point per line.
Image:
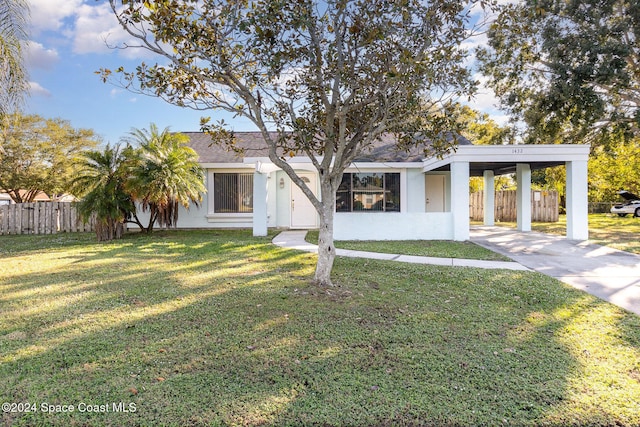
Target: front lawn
429	248
209	328
621	233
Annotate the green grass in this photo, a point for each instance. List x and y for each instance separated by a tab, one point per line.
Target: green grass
621	233
210	328
430	248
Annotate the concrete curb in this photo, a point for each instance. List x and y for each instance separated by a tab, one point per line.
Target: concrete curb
294	239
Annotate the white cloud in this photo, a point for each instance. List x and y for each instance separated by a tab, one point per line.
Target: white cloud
38	56
36	89
49	15
97	31
88	26
95	26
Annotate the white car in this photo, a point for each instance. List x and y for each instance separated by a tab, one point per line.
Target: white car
631	205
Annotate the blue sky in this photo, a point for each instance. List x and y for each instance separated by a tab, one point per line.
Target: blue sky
67	46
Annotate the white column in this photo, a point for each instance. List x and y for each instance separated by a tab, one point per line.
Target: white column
489	198
460	200
259	204
577	201
523	196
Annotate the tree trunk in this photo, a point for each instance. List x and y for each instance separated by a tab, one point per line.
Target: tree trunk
137	221
153	215
107	230
326	250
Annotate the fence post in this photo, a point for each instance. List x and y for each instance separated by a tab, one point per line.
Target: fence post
36	218
4	217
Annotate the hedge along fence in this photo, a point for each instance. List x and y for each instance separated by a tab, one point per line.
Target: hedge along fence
544	206
42	218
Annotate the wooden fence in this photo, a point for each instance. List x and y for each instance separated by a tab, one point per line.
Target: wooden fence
544	206
41	218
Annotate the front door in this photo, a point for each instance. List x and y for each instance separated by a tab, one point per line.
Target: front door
303	214
435	193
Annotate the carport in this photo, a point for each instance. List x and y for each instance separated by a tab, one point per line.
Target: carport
490	161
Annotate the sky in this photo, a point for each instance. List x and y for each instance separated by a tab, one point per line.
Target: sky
69	42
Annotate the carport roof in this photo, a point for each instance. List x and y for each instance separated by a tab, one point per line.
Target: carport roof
502	159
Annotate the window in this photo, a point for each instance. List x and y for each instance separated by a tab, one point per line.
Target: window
369	192
233	192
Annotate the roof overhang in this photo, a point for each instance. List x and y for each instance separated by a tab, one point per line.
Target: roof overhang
502	159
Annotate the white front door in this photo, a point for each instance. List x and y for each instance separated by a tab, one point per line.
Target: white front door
435	193
303	214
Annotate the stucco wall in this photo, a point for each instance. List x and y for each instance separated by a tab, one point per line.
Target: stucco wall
282	200
393	226
416	201
193	218
411	224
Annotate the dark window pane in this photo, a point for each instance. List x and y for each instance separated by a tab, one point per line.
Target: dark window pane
245	192
392	192
369	192
233	193
343	195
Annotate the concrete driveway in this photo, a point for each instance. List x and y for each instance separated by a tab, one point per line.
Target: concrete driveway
601	271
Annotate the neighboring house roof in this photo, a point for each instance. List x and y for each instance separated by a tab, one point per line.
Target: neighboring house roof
254	146
64	198
41	196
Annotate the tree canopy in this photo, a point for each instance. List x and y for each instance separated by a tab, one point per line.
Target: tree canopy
155	170
100	182
37	155
163	174
613	169
329	77
569	69
481	129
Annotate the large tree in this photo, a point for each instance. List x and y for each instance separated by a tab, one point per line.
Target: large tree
13	75
100	183
164	173
155	170
37	155
614	168
569	68
328	77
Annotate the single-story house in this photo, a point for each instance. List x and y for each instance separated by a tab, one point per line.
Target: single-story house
384	195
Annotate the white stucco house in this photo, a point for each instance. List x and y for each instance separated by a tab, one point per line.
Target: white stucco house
402	196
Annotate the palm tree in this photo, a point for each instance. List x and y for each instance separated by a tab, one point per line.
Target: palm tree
100	182
166	175
13	76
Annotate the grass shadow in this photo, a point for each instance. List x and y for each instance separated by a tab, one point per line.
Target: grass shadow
202	329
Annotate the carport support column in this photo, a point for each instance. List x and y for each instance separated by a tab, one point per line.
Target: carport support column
523	196
460	200
577	201
489	198
259	203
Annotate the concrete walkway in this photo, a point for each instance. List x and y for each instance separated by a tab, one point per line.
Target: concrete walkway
294	239
599	270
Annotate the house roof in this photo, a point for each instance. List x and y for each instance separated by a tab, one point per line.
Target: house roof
253	144
41	196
